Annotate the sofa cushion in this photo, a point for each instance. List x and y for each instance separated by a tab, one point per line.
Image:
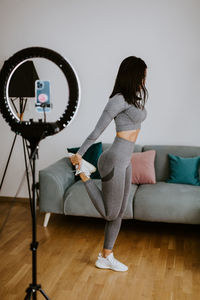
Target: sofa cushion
91	155
184	169
168	202
162	161
143	170
77	201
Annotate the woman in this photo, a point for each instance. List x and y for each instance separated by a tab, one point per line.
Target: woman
126	107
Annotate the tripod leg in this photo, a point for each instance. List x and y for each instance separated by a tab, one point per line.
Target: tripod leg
8	161
28	295
26	166
31	168
43	293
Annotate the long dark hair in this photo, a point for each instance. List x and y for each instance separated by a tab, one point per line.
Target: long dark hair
130	81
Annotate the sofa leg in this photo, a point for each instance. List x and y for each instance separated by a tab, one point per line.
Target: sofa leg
46	219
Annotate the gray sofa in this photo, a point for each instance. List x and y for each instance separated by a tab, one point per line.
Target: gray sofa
160	202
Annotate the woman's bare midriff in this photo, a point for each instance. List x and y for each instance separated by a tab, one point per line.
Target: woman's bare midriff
130	135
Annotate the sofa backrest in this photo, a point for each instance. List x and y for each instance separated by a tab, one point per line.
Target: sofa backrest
162	160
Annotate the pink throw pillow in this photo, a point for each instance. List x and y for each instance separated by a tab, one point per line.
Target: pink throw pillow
143	170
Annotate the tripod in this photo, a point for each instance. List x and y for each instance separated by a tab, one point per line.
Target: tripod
22	106
31	291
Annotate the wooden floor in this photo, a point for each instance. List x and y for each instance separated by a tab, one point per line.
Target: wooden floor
163	259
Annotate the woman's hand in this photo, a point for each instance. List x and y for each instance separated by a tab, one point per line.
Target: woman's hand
76	159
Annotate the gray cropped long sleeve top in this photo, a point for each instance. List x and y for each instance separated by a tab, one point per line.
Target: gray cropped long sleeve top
126	116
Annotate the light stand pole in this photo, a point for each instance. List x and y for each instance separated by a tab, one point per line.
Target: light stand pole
34	287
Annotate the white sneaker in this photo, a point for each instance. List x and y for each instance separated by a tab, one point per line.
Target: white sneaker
110	262
86	167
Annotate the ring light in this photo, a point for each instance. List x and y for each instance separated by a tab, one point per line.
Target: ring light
31	130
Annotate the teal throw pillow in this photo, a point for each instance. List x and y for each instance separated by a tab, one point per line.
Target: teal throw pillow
184	169
92	156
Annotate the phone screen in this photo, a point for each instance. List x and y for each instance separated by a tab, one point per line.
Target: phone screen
42	93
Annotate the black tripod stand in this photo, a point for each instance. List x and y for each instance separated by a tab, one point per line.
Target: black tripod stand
20	89
31	291
22	106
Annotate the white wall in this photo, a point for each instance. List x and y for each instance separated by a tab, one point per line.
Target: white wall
95	36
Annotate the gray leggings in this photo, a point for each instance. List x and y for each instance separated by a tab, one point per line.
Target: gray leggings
115	169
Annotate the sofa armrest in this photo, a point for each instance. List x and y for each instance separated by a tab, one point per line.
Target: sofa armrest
53	181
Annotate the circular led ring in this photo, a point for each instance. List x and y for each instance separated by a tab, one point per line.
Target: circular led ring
34	130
